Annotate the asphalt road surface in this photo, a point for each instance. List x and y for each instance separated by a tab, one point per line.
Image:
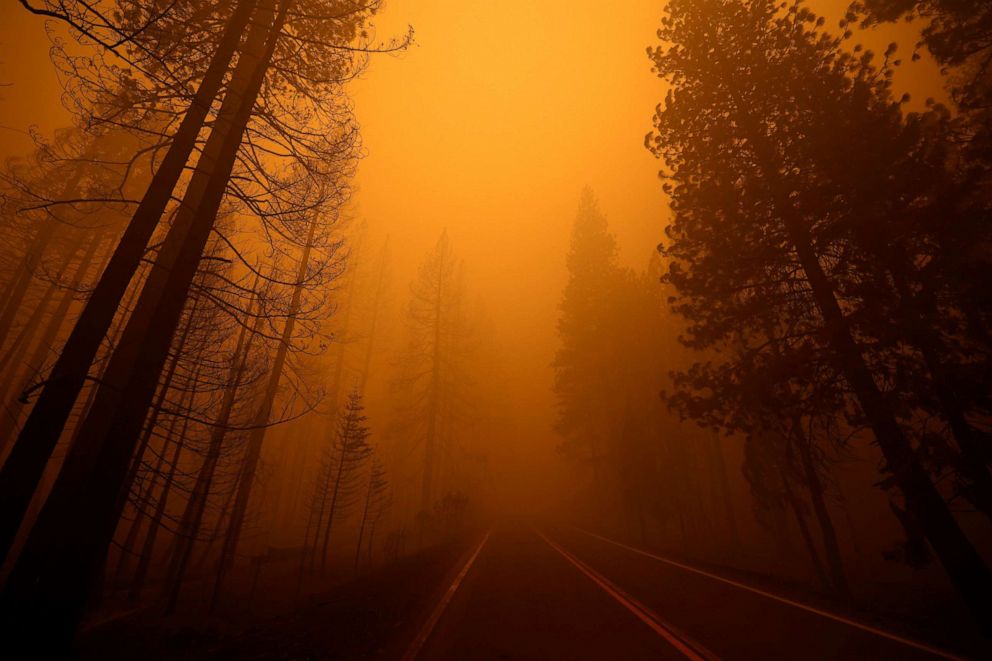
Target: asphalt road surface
529	593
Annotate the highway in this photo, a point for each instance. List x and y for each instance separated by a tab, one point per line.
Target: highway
523	592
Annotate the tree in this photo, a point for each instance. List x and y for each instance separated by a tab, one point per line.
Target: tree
432	373
958	33
88	491
376	501
337	488
765	221
583	361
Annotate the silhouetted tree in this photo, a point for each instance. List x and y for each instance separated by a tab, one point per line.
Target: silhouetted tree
767	212
338	488
583	361
376	501
433	383
109	433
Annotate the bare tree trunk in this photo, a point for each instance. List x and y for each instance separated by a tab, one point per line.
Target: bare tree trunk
37	439
127	548
365	517
10	417
50	580
724	486
974	463
315	520
148	548
831	548
964	566
25	270
335	393
261	421
804	532
331	509
375	318
433	410
33	322
189	527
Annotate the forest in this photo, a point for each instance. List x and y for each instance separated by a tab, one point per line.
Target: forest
375	329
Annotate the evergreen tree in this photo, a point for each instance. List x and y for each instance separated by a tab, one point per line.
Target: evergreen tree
433	386
770	133
582	362
338	488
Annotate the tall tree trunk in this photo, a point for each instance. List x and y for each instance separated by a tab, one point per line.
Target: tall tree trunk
189	527
349	304
375	319
724	486
127	547
331	510
260	423
433	410
835	563
37	439
33	322
155	524
974	463
964	566
315	520
365	518
10	417
804	532
50	583
29	263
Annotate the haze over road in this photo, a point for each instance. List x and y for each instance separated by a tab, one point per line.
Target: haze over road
565	594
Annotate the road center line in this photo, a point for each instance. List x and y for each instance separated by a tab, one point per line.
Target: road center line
689	648
425	631
785	600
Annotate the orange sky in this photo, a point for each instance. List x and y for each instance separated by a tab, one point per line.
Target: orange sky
489	126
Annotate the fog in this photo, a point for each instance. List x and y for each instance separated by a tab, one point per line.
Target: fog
490	148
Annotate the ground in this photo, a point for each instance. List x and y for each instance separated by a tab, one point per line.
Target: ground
521	590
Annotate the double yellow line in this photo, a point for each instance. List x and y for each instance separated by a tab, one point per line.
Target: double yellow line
836	617
428	628
688	647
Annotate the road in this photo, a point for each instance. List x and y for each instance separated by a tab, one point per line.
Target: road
530	593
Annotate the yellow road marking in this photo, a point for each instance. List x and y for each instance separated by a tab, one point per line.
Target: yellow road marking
425	631
785	600
689	648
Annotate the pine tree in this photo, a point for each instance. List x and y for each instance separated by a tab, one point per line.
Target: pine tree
373	507
582	362
432	385
338	486
769	134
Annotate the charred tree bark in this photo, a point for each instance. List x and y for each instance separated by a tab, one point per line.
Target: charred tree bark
50	583
37	439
